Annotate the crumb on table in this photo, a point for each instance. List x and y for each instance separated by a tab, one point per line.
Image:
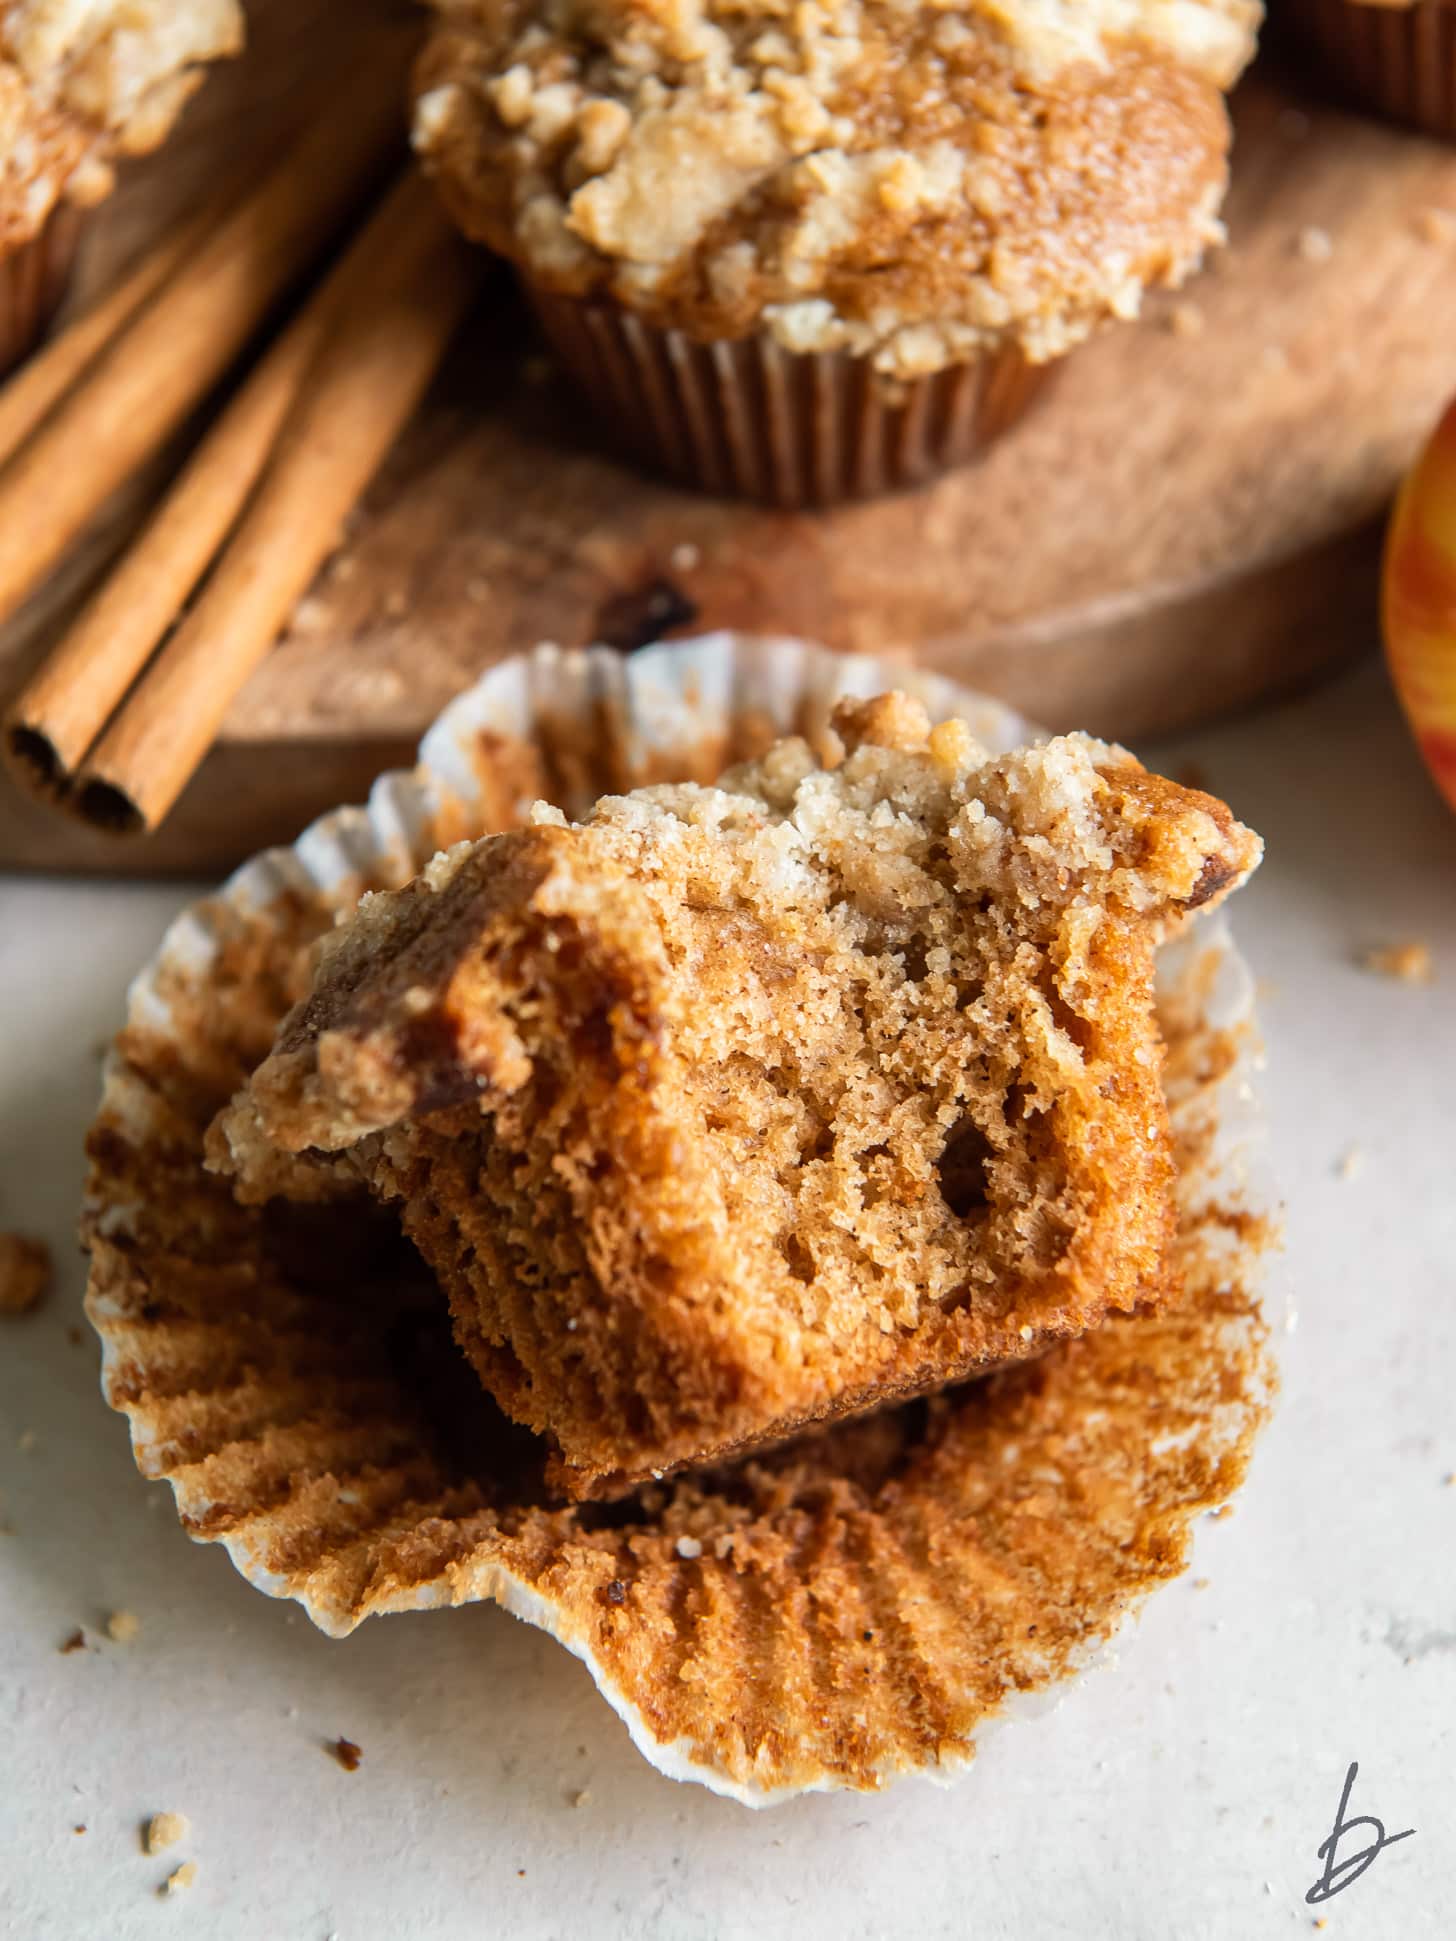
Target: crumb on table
122	1627
1186	320
164	1830
1407	963
25	1272
347	1753
1350	1162
180	1878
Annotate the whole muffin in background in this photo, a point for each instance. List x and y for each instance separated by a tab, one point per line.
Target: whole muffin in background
1397	56
809	250
83	83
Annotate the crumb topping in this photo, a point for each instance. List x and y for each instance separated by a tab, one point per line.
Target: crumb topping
86	81
902	179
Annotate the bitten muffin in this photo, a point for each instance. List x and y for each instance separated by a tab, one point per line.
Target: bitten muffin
734	1109
1397	56
826	193
82	84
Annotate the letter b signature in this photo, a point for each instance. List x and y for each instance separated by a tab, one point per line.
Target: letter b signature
1339	1874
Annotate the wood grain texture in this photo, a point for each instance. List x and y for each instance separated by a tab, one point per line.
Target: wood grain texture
1188	523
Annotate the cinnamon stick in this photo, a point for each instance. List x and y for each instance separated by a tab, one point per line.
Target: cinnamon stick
46	376
141	388
356	397
60	713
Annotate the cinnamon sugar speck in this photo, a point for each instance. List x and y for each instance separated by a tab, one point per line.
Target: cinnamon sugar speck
347	1753
1407	963
25	1272
76	1642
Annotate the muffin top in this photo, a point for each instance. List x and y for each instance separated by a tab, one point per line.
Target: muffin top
914	181
83	81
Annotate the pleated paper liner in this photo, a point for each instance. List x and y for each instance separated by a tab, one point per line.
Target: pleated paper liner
33	280
1399	59
857	1605
750	420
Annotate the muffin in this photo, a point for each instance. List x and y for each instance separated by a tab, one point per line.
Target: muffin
866	1602
804	254
1397	56
83	83
738	1109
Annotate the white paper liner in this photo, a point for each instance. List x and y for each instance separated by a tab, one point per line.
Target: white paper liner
664	702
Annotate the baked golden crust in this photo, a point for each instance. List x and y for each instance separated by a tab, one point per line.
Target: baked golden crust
912	184
736	1109
83	83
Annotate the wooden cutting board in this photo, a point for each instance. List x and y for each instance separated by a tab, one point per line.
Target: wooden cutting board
1188	523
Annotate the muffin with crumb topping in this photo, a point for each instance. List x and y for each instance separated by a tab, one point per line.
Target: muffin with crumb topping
734	1110
804	250
1396	56
82	84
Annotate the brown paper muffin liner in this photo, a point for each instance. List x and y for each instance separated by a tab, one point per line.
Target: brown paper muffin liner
750	420
1400	60
33	280
856	1605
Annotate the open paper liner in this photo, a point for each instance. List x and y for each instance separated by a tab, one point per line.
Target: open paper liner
855	1605
748	419
1399	59
33	280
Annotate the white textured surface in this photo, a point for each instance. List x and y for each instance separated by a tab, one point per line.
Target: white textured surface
1181	1793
